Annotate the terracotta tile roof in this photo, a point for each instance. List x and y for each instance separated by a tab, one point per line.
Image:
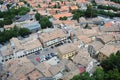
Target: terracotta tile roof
69	22
54	70
109	49
84	38
106	37
57	16
43	5
7	50
32	44
15	42
48	36
91	32
70	74
67	48
20	3
20	67
64	8
97	45
73	7
83	1
83	57
43	68
34	75
114	28
18	77
71	66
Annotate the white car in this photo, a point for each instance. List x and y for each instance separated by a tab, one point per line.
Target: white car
42	58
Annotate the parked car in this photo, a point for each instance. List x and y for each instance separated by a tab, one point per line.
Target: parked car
42	58
37	53
46	49
53	54
47	57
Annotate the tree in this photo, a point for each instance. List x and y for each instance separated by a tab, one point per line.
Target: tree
112	75
99	74
7	21
94	3
8	34
57	5
116	1
113	62
109	14
25	2
77	14
76	77
21	0
108	7
37	16
24	31
63	18
23	10
1	24
39	6
60	18
83	76
2	39
44	21
90	12
8	6
13	32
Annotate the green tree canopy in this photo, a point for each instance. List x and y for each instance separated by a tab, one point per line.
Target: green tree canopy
63	18
23	10
108	7
1	23
11	13
44	21
112	75
77	14
24	31
113	62
98	74
37	16
13	32
94	3
83	76
90	12
116	1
